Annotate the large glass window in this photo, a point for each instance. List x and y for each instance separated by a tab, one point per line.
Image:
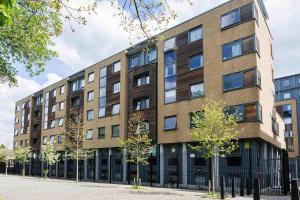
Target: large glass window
115	131
195	34
102	93
142	58
62	89
75	101
237	111
170	77
196	61
77	84
230	18
142	80
90	115
101	133
116	88
233	81
170	123
232	50
115	109
197	90
52	139
287	95
286	83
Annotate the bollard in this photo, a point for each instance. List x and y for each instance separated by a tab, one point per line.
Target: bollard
232	188
248	186
222	188
295	191
242	188
256	194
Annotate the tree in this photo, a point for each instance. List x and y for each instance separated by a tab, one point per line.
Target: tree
137	144
73	140
49	156
215	132
22	155
3	153
28	28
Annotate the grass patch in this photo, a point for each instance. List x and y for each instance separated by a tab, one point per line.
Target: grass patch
214	195
133	187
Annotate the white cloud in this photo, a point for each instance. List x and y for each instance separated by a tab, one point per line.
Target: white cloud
8	97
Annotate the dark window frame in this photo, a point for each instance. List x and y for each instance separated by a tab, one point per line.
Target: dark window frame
194	55
192	29
173	128
101	136
190	92
112	130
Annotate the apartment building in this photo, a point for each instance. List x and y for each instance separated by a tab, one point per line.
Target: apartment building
224	53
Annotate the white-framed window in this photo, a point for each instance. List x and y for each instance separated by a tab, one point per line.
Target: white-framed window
61	105
116	66
61	121
287	95
52	125
45	140
52	139
90	115
62	89
89	134
195	34
53	108
91	77
116	88
90	96
116	109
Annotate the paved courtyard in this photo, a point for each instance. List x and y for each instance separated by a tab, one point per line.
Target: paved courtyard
18	188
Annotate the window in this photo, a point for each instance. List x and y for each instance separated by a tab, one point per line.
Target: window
102	93
141	104
142	58
233	81
38	100
240	47
60	121
196	90
16	132
195	34
286	83
169	44
237	111
115	109
116	88
91	77
52	124
89	134
134	61
90	115
234	161
230	18
101	133
102	112
59	139
53	108
170	96
170	77
52	139
151	55
61	105
196	61
170	123
26	143
116	67
115	131
18	108
17	120
45	140
75	101
77	84
90	96
286	95
232	50
142	80
238	80
62	89
54	93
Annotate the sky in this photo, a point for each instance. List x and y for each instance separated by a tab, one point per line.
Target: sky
103	37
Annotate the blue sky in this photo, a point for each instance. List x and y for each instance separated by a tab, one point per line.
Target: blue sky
103	37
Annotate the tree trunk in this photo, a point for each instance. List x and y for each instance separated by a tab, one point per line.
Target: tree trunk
213	175
137	173
23	170
77	171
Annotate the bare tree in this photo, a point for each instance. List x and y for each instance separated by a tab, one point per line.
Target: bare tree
73	140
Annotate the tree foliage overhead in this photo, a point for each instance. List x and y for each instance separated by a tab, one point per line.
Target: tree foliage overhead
3	153
48	154
215	131
22	154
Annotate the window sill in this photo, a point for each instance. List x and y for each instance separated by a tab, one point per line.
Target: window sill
192	98
170	129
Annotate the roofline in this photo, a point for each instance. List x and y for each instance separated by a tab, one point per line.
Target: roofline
283	77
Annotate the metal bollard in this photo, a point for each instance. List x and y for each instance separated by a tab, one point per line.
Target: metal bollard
256	194
222	188
295	190
232	188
